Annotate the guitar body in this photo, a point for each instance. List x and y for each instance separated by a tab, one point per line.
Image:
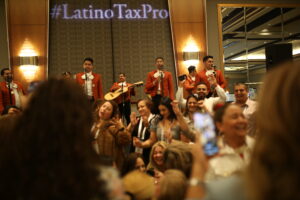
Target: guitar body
113	95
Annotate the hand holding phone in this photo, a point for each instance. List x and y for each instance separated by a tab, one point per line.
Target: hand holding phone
204	123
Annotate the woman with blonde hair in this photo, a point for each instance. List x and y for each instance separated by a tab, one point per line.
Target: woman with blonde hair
156	156
178	155
172	186
276	160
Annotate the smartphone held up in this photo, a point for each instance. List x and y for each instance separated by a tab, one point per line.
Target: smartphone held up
204	123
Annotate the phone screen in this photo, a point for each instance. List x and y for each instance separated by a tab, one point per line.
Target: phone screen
204	123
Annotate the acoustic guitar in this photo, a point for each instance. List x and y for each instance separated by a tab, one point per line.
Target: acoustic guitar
118	92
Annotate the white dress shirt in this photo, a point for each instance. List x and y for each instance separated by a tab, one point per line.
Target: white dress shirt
229	160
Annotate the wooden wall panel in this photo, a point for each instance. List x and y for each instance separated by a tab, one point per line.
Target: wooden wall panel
27	11
188	20
182	32
187	10
28	19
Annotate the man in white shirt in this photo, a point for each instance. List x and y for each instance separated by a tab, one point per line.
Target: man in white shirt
241	98
205	103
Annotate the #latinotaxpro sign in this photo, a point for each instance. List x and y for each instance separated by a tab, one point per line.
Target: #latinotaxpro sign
118	11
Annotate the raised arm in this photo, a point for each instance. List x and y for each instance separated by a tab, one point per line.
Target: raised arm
148	143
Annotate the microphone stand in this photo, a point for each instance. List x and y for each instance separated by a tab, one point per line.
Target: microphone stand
85	84
123	103
9	80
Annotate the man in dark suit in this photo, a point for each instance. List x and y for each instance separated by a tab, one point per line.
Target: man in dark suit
90	81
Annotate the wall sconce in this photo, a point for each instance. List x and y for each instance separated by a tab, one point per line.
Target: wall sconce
28	60
191	53
191	56
28	65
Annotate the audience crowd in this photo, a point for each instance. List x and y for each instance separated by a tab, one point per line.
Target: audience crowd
62	145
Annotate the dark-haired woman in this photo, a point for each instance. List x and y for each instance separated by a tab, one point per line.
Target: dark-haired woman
49	153
110	133
169	127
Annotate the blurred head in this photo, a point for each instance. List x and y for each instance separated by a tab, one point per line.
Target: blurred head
276	160
88	64
6	74
192	70
156	155
191	104
240	92
165	108
173	185
53	135
108	110
201	90
208	62
139	185
122	77
66	75
178	155
159	63
133	162
230	121
144	107
7	124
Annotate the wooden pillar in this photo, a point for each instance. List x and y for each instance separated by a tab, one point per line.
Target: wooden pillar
188	23
28	30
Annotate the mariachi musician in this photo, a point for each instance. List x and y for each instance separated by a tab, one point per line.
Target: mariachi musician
123	100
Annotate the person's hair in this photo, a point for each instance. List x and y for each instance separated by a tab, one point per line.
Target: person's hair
219	113
191	69
218	116
148	103
173	185
205	58
186	112
152	164
139	185
89	59
178	155
7	124
115	111
50	155
122	74
243	84
3	70
166	101
161	58
275	161
129	163
66	73
95	107
201	83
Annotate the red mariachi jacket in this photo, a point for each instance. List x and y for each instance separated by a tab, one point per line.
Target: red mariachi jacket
219	76
4	94
96	84
168	88
190	85
127	95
